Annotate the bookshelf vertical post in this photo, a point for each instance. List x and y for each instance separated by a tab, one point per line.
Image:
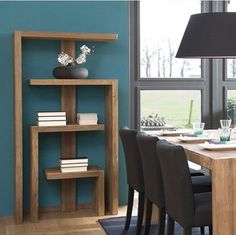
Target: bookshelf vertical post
111	147
68	140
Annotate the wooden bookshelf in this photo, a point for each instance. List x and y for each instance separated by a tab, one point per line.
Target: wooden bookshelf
68	132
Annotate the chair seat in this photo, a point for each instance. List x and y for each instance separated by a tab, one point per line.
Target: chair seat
203	209
201	184
195	172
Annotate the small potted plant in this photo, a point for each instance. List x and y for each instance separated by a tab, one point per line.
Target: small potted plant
68	68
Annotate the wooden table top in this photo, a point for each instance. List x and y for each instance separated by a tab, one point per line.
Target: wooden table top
199	155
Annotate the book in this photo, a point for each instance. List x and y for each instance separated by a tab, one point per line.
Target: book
74	165
46	114
52	118
87	116
51	123
74	160
86	122
74	169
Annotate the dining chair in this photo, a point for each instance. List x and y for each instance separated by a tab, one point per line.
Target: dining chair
153	186
189	209
134	175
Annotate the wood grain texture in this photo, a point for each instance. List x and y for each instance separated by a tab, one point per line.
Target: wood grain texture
18	139
54	223
74	36
111	148
68	139
55	173
98	194
69	128
34	175
224	196
67	46
69	82
223	169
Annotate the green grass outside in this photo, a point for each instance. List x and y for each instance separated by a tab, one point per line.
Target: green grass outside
173	105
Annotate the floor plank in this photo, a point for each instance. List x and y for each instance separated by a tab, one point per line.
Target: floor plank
56	224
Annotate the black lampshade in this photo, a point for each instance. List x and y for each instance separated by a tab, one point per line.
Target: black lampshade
209	35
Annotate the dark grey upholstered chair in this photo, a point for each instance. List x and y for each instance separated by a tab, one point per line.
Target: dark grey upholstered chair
153	182
134	175
189	209
154	192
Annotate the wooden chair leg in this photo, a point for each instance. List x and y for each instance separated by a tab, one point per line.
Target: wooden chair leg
187	231
210	230
162	221
140	213
170	225
202	230
129	207
148	217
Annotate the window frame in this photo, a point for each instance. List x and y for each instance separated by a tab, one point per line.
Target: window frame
138	83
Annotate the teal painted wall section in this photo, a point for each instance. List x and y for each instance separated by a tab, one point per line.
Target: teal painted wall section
109	61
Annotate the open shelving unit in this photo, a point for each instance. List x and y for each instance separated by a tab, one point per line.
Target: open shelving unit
68	132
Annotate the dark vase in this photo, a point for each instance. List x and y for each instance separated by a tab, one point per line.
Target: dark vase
71	71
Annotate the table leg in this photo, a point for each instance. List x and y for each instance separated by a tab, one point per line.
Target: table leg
224	196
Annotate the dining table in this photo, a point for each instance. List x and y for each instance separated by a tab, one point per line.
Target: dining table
222	165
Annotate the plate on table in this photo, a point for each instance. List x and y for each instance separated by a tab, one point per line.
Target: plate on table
219	146
175	132
195	139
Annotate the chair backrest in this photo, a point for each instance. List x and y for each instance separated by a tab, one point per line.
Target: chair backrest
153	184
132	157
177	183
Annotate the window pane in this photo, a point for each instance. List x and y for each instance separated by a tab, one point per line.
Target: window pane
231	63
178	108
231	105
162	24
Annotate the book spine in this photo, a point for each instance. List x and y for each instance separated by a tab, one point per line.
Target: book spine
74	165
70	161
87	122
45	114
52	118
51	123
87	116
73	169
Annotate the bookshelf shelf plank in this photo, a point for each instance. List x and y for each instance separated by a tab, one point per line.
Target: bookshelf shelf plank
56	174
69	128
75	36
70	82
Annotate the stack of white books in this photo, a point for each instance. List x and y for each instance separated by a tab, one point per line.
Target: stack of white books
73	165
87	118
51	118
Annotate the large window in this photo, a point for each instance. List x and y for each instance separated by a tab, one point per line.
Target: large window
174	91
162	25
230	82
167	90
231	63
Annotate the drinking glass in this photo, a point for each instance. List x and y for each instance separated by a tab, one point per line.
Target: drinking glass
225	135
225	123
198	128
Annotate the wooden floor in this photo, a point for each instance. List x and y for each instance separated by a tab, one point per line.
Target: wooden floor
58	224
53	224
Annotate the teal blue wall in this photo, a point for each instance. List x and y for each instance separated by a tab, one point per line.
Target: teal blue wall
109	61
